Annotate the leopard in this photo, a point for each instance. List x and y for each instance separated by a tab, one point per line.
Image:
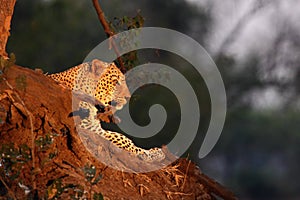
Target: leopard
106	83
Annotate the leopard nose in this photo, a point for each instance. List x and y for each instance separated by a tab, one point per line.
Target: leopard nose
127	98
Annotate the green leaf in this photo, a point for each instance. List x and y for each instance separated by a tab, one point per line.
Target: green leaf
98	196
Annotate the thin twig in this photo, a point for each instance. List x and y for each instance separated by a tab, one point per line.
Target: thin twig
185	175
170	193
108	32
31	129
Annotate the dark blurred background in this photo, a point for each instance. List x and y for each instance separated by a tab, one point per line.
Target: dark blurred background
256	46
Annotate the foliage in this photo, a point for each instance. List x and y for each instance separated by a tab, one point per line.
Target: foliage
98	196
12	159
43	142
21	82
125	23
6	63
90	174
56	188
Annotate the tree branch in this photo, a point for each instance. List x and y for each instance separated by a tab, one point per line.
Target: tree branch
108	32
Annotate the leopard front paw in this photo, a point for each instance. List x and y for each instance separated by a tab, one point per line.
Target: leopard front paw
152	155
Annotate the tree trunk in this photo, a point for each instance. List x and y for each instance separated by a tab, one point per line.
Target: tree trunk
6	8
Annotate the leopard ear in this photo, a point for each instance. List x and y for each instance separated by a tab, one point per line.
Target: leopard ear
98	67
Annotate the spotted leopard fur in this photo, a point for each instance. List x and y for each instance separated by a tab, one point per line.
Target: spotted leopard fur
106	83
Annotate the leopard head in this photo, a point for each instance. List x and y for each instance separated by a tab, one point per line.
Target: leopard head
111	87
